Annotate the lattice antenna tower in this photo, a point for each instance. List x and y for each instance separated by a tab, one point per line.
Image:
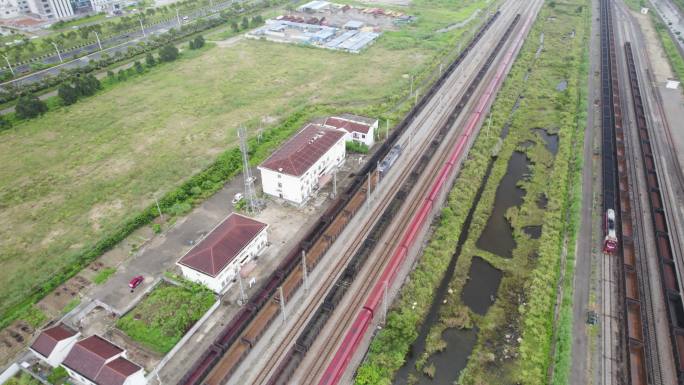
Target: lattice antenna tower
250	194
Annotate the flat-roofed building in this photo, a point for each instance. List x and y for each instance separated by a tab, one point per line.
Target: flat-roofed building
216	260
304	163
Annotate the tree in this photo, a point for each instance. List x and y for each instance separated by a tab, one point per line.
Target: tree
87	85
257	21
245	23
57	375
149	60
138	67
168	53
29	106
234	26
68	94
197	42
4	123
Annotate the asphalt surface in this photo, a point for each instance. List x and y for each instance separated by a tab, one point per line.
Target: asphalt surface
110	46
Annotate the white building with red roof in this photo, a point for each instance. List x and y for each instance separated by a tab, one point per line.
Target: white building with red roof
357	128
96	361
304	163
216	260
54	343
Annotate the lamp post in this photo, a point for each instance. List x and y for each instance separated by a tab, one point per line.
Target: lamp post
59	55
9	65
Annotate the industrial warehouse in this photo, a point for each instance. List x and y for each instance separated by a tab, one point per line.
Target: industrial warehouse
332	26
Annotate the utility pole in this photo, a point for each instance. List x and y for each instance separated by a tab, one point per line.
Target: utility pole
384	304
386	129
9	65
411	89
142	28
98	40
58	54
243	297
489	124
282	303
250	195
334	193
306	275
158	208
178	17
369	189
440	68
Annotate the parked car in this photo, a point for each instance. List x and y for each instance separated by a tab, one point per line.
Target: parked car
136	281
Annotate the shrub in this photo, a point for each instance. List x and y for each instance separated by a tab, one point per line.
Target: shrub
58	376
29	107
356	147
168	53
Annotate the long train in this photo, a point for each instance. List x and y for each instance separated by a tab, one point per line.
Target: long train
670	283
352	339
237	338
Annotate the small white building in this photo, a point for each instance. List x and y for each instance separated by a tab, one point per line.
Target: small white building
216	260
304	164
357	128
96	361
54	343
314	6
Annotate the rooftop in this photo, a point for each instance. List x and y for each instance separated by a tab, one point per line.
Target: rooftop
88	356
116	372
222	245
301	152
48	339
348	124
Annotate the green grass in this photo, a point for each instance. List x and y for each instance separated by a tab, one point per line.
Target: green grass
71	305
80	21
72	177
161	319
103	275
33	316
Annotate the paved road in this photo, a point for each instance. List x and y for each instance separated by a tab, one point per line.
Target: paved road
583	281
672	16
111	46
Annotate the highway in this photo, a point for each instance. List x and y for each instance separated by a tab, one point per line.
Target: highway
111	46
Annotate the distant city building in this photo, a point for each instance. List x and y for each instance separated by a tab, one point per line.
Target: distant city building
109	6
96	361
217	259
357	128
54	343
47	9
303	164
9	9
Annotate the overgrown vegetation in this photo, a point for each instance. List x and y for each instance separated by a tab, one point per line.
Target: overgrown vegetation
22	379
161	319
357	147
58	376
149	141
103	275
514	337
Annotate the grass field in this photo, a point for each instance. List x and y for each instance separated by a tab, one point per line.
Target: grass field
73	175
164	315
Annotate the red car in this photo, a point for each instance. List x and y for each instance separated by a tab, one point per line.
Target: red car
136	281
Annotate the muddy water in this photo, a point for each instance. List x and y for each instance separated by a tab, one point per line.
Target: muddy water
497	236
483	282
458	350
551	140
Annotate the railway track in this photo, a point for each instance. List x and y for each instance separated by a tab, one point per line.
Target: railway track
396	254
241	334
289	355
631	352
668	277
403	221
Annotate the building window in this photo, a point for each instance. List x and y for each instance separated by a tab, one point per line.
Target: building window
279	175
280	184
